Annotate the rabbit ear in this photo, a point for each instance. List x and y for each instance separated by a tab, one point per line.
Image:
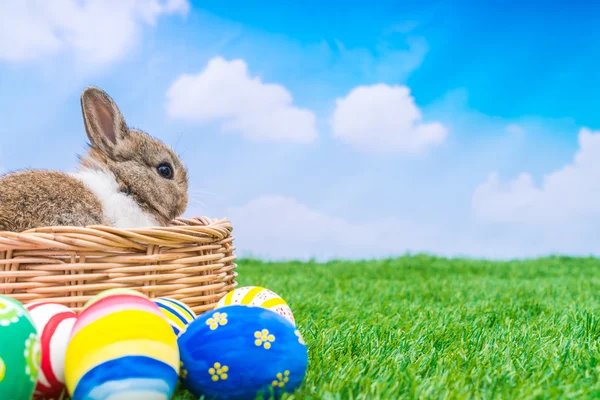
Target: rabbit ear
104	124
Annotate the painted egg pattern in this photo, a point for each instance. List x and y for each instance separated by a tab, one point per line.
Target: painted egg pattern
122	347
19	362
237	351
177	313
54	323
258	296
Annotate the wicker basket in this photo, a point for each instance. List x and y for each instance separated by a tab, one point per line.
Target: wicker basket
192	260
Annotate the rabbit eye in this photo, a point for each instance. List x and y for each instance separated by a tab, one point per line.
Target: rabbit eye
165	171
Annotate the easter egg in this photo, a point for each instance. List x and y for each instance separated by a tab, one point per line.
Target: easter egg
177	313
54	323
19	351
258	296
122	347
236	352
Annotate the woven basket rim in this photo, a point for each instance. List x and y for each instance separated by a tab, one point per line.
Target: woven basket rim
180	231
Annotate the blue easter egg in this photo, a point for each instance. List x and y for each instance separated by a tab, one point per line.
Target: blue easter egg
237	351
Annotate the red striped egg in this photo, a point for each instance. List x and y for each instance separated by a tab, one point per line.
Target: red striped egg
54	323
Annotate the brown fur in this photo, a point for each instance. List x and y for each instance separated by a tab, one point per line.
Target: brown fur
130	161
35	198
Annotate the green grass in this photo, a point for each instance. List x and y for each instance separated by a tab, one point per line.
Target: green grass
430	328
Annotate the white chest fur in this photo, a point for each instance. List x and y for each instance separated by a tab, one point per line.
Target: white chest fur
121	210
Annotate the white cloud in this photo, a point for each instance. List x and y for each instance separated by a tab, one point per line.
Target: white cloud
567	196
225	92
96	31
382	118
279	227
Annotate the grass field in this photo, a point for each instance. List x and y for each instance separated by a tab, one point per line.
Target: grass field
431	328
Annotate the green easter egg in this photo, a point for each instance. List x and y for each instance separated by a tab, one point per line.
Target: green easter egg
19	352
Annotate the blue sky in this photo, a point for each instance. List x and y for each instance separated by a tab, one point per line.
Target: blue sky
333	130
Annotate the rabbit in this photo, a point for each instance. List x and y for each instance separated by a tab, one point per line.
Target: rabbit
127	180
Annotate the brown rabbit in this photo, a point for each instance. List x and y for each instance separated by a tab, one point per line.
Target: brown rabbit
128	179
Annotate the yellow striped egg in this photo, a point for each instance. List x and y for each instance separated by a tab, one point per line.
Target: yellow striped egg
177	313
260	297
122	347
